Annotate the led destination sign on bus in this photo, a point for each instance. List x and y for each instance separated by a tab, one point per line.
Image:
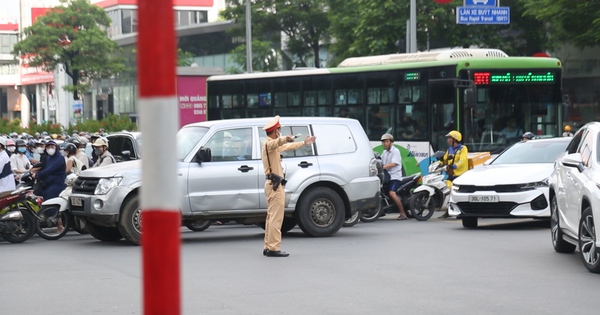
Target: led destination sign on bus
483	78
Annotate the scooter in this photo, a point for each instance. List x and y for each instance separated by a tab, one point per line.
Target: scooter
434	193
407	184
17	216
55	219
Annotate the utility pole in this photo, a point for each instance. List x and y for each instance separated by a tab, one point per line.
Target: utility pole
248	38
413	26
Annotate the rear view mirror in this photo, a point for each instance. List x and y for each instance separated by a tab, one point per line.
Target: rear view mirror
573	160
439	155
470	98
203	155
126	155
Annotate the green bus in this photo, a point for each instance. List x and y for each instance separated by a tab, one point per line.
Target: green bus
491	98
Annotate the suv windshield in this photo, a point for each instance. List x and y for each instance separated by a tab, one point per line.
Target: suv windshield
532	152
187	138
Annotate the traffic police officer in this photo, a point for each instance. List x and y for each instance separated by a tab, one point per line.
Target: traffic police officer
271	158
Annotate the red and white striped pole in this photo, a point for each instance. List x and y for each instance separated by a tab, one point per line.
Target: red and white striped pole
159	122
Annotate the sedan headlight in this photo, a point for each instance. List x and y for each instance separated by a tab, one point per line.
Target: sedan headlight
530	186
106	184
455	187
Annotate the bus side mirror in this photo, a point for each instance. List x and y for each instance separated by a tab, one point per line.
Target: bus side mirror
470	98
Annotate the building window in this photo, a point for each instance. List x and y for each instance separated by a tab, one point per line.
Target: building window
128	21
7	41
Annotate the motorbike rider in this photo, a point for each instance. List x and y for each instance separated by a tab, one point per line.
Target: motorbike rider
11	147
527	136
19	161
101	150
455	159
392	163
7	180
567	132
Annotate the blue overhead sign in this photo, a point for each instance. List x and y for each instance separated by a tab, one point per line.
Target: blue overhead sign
481	15
480	3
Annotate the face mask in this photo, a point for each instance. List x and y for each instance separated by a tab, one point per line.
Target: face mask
11	148
98	151
21	150
51	151
40	150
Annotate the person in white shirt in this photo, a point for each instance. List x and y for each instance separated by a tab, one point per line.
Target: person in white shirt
19	162
392	163
7	179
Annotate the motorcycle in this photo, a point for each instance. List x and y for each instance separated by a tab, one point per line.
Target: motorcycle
434	193
407	184
55	219
17	217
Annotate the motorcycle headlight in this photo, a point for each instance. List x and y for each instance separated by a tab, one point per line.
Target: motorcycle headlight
106	184
529	186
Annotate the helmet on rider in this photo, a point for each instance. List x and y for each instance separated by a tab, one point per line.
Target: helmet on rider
528	135
567	128
70	148
21	143
31	144
454	135
387	136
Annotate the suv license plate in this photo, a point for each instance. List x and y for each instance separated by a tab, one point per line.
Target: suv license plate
77	202
479	198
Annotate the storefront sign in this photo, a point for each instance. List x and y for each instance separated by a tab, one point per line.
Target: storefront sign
191	99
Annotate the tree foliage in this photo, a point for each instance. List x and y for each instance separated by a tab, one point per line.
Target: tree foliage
72	35
363	28
571	21
304	23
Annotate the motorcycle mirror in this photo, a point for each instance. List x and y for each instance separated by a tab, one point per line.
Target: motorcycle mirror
439	155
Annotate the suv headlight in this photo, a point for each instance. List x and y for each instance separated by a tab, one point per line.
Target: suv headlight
529	186
106	184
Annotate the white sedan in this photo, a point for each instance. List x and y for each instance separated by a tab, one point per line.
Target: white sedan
514	184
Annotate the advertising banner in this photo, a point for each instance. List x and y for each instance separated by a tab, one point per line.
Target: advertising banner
191	99
77	109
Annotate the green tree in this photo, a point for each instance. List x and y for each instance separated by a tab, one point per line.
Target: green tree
363	28
73	35
575	22
305	24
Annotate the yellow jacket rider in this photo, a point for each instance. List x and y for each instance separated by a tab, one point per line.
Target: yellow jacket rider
456	158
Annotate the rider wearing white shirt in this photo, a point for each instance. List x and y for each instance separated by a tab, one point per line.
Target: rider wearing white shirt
392	163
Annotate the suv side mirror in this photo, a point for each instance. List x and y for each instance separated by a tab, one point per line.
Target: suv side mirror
573	160
126	155
203	155
470	98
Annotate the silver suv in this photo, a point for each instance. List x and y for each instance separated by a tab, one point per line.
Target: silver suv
221	177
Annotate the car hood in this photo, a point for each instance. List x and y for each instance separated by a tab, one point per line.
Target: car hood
505	174
132	168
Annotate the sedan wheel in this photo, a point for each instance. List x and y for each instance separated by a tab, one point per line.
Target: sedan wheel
587	241
559	244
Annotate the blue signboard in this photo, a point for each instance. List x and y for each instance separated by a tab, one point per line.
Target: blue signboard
480	3
483	15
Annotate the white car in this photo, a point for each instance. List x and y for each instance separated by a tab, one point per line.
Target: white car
514	184
575	198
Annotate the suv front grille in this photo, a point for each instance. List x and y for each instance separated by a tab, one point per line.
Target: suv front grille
85	185
497	188
487	208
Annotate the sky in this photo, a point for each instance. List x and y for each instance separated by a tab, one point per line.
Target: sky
9	9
